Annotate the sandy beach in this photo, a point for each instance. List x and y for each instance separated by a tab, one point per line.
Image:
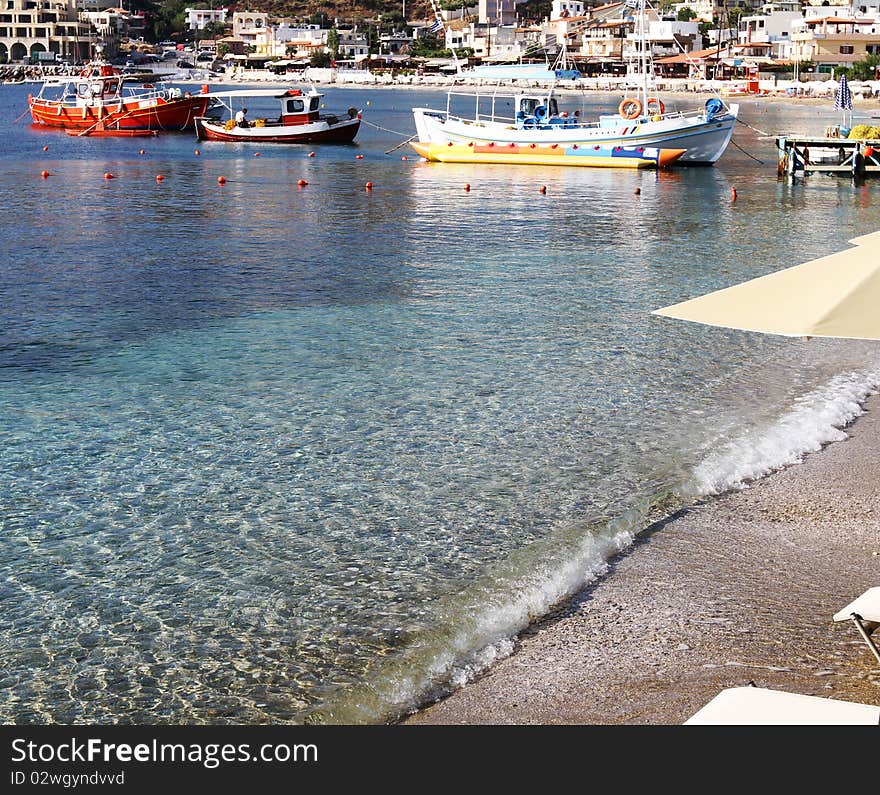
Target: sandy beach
737	589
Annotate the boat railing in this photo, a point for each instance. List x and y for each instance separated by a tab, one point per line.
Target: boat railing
571	122
160	91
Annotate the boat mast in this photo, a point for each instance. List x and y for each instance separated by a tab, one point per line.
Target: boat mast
646	62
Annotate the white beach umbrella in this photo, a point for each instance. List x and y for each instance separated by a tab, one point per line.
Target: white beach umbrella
833	296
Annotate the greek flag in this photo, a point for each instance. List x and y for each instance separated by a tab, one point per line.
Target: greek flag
843	100
436	27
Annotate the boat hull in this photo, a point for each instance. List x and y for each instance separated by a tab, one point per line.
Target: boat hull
549	155
321	131
147	114
704	139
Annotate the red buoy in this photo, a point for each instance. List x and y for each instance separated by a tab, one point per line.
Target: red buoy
358	157
221	180
733	194
160	177
369	186
45	148
256	154
198	151
302	183
142	152
44	174
108	175
467	187
311	154
543	189
403	158
638	191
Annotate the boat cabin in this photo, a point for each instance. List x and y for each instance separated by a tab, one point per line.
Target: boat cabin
299	108
97	84
540	112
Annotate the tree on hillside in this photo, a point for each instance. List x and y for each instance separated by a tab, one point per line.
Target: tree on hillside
333	43
686	14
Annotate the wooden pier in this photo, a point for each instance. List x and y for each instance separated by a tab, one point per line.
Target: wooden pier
802	155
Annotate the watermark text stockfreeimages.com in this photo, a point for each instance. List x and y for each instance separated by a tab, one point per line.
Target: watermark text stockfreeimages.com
209	755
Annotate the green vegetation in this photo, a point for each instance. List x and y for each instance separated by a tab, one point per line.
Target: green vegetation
686	14
866	69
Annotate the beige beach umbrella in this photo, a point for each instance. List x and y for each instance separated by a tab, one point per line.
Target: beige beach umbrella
834	296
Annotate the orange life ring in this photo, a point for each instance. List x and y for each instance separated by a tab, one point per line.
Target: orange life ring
658	103
630	108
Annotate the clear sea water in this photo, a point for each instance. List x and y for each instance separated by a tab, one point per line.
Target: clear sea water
275	454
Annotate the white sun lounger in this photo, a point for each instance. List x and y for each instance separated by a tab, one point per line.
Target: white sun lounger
865	614
755	706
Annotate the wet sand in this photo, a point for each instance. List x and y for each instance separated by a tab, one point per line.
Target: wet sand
740	588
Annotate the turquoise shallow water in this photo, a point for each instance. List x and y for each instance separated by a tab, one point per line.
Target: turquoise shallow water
273	454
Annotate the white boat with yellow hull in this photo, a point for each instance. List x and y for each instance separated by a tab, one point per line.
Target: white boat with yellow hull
641	120
704	134
594	156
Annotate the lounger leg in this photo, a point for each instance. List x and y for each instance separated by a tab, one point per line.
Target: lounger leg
857	620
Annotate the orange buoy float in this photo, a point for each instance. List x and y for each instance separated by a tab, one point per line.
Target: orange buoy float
403	158
221	180
44	174
311	154
358	157
543	189
45	148
108	175
198	151
630	108
467	187
160	177
302	183
369	186
142	152
658	102
256	154
733	194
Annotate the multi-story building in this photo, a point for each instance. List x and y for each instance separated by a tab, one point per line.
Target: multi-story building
496	12
772	26
29	27
353	44
834	40
199	18
246	25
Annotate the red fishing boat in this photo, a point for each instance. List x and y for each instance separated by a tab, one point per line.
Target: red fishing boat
298	122
100	101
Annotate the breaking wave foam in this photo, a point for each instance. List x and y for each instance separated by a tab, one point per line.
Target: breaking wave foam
815	419
482	622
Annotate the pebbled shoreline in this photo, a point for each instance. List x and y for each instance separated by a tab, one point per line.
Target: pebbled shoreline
736	589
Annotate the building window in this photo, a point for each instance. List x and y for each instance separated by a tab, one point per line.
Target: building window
846	49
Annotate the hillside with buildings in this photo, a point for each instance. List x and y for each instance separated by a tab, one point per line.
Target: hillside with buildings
698	39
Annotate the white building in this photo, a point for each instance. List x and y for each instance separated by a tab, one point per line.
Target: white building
773	27
562	9
198	18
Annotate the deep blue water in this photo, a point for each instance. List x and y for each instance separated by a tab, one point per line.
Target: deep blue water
281	454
